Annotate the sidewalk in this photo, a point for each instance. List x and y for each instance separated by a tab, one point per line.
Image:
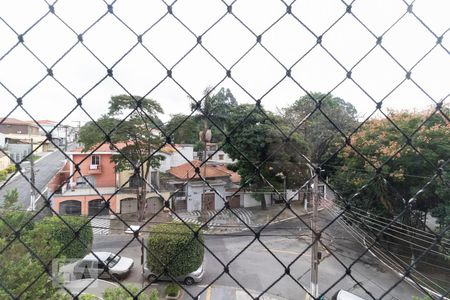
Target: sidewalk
217	292
225	222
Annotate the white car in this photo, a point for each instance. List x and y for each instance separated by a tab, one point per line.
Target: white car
188	279
91	267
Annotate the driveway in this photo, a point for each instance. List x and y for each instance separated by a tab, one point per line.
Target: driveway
257	269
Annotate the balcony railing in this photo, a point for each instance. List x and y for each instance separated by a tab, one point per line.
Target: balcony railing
95	169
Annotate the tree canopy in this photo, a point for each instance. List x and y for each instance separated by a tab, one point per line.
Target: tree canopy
254	140
314	121
403	169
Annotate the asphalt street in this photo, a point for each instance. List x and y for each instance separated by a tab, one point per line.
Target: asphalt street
45	169
253	267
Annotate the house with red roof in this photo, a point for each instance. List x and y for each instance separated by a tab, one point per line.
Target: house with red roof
90	177
194	194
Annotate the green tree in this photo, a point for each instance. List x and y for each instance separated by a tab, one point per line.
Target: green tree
186	133
255	141
403	173
215	107
174	246
137	134
320	135
10	199
18	270
51	235
309	117
43	239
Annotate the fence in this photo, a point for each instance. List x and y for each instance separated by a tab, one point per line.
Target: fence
386	170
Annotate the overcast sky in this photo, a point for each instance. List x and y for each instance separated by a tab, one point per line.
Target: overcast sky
408	41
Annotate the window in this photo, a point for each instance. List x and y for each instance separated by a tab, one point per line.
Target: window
221	156
95	160
112	260
99	265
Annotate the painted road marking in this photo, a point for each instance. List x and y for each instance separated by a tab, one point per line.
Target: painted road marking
208	293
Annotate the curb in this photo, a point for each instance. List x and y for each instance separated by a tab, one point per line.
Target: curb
258	226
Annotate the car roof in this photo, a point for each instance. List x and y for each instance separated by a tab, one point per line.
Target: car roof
101	255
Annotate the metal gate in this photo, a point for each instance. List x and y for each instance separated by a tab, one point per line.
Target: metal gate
208	201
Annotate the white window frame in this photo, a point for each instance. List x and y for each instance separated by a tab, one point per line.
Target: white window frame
93	163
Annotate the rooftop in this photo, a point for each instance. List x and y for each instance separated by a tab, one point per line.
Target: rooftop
14	121
186	171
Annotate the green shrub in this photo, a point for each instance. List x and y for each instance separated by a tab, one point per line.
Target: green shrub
15	219
172	245
172	290
3	175
11	169
53	229
119	293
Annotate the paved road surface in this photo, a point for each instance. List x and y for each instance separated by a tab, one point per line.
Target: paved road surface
258	270
45	169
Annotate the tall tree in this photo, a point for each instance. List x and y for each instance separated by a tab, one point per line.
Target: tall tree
184	129
264	147
214	107
320	135
308	117
138	136
403	173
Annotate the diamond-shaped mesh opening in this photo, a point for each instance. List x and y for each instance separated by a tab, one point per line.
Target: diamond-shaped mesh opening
233	149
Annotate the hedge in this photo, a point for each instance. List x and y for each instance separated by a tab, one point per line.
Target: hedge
174	239
119	293
52	229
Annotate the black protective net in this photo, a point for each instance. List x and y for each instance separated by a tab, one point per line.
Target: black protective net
339	200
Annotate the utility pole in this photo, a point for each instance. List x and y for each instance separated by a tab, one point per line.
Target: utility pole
32	179
315	244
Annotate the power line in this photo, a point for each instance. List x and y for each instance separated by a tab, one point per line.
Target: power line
363	236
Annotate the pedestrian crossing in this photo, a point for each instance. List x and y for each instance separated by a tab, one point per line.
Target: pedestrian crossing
229	217
101	225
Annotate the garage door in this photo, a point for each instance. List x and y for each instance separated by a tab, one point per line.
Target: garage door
235	201
154	204
128	206
97	206
208	201
70	207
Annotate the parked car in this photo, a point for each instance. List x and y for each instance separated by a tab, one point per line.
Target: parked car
189	279
344	295
91	267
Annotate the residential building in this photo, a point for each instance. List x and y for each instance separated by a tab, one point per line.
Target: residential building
191	193
215	154
16	126
17	136
81	193
61	134
174	158
2	141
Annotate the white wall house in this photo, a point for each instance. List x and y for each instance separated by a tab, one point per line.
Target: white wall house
195	190
2	140
173	158
197	195
60	133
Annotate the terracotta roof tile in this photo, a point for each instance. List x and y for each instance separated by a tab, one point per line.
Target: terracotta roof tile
187	171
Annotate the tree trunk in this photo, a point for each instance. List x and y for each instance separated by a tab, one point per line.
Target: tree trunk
141	195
